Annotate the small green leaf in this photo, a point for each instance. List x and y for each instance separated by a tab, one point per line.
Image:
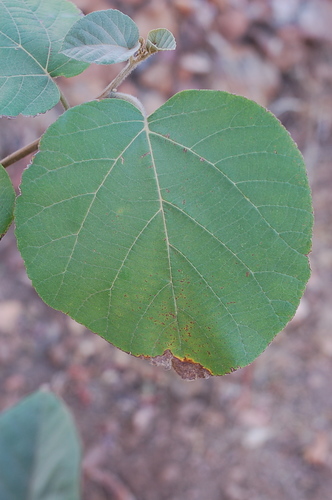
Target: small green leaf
31	34
102	37
7	201
161	39
39	451
186	232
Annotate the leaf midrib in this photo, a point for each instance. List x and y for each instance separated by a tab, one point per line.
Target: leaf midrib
147	132
270	302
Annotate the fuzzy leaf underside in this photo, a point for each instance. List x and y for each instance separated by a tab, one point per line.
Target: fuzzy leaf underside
162	39
184	233
102	37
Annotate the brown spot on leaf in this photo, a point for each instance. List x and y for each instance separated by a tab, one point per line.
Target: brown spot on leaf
186	368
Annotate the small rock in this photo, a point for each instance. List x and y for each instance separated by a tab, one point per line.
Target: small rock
205	14
284	11
142	419
15	383
198	63
110	377
256	437
233	24
184	7
75	327
58	356
10	312
315	20
121	359
317	453
158	76
244	72
78	373
87	348
254	417
156	14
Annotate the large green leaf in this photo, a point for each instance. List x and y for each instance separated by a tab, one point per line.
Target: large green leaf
186	232
7	201
39	451
102	37
31	34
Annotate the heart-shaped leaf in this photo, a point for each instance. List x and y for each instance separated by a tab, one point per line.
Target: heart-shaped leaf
31	34
102	37
39	451
183	233
7	201
161	39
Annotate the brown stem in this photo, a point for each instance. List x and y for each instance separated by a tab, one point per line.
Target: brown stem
20	153
142	54
112	87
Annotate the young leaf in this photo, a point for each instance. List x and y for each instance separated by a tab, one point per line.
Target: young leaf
186	233
31	34
102	37
161	39
39	451
7	201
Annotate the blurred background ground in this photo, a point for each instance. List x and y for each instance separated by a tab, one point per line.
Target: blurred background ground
263	432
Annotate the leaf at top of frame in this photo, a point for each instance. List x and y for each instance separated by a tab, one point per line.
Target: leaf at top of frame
31	34
102	37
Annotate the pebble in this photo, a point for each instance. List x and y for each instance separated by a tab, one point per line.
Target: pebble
315	20
233	24
156	14
142	419
158	76
198	63
10	313
256	437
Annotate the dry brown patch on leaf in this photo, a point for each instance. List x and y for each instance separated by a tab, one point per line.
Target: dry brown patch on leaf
186	368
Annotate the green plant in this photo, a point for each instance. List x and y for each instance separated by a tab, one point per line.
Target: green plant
181	237
39	450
